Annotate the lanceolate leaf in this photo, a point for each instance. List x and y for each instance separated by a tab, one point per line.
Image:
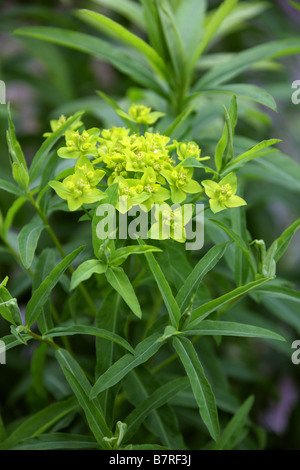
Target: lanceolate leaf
81	388
117	56
111	28
40	296
201	388
285	238
233	429
224	328
212	27
243	90
206	309
123	366
39	422
200	270
58	441
88	330
164	288
241	243
28	240
161	396
86	270
225	71
119	281
11	188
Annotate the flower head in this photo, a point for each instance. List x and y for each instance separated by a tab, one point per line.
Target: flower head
222	194
55	124
181	183
77	190
170	222
78	145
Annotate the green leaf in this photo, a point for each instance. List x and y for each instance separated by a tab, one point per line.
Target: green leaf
284	240
86	270
40	296
165	289
238	240
81	388
119	281
162	422
201	388
11	213
243	90
11	341
11	188
127	8
212	27
206	309
224	328
119	32
252	153
153	26
241	263
20	175
9	309
161	396
39	422
119	256
14	147
123	366
243	60
277	168
172	38
58	441
42	154
280	292
28	239
203	266
119	57
88	330
189	18
235	426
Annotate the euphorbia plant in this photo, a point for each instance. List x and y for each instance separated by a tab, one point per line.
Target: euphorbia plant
107	294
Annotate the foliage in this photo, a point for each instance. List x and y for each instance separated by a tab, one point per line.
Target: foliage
130	337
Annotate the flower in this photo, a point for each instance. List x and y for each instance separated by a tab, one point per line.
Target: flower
77	190
94	176
80	144
181	183
142	114
170	222
222	194
55	124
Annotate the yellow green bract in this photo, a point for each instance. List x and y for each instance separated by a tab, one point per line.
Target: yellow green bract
149	168
222	194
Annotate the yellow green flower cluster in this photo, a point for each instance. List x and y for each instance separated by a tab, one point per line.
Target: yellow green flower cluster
149	168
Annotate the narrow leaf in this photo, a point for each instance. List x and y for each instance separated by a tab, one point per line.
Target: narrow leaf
40	296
